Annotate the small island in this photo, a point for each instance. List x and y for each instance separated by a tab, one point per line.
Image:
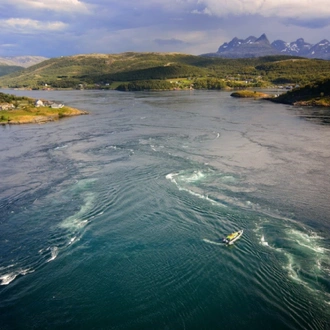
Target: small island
24	110
250	94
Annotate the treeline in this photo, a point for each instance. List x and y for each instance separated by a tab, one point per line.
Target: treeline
7	69
61	83
9	98
197	83
158	73
295	71
218	84
318	90
145	85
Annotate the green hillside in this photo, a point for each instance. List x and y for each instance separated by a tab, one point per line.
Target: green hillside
7	69
179	70
300	71
94	68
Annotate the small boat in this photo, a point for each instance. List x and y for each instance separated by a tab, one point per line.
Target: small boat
231	238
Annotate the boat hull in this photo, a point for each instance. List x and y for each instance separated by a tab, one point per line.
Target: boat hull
229	241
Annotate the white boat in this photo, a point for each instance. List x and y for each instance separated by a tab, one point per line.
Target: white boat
233	237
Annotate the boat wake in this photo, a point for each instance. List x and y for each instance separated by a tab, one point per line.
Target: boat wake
211	242
61	236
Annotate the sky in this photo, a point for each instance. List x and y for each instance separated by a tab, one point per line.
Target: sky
54	28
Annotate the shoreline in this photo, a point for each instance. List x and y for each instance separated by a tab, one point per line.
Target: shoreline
320	102
17	110
42	119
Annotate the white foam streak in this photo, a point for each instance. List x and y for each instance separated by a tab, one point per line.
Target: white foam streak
54	253
316	249
263	242
76	221
291	271
304	236
307	241
296	265
211	242
61	147
189	178
8	278
171	176
72	240
196	176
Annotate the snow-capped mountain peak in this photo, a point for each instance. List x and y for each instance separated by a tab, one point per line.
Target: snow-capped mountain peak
256	47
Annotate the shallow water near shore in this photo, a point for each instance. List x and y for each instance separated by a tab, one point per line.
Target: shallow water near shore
115	220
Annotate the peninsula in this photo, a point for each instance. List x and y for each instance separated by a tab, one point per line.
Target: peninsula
316	94
24	110
313	94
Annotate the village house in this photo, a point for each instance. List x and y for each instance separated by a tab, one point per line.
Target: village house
6	106
56	106
53	105
39	103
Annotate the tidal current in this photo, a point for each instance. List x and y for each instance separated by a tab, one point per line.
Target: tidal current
114	220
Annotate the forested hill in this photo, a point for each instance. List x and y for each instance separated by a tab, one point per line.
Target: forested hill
7	69
317	94
113	70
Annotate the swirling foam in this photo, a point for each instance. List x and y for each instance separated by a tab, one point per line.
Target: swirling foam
9	277
53	252
196	176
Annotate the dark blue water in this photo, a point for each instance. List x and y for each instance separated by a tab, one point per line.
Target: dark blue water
114	220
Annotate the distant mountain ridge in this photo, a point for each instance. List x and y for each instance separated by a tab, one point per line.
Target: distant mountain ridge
23	61
257	47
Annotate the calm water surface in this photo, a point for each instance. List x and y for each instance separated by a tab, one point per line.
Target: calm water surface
114	220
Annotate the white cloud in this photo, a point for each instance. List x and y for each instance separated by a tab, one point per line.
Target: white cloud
112	26
26	26
298	9
145	39
74	6
7	45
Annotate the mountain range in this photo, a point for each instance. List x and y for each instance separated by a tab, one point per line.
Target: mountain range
257	47
22	61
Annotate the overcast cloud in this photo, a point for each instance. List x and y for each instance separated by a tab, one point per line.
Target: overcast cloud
55	28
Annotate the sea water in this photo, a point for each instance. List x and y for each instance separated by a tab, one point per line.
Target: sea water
115	220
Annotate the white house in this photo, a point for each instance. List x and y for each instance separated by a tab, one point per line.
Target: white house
39	103
56	106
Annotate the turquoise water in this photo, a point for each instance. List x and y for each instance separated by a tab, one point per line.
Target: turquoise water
115	220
